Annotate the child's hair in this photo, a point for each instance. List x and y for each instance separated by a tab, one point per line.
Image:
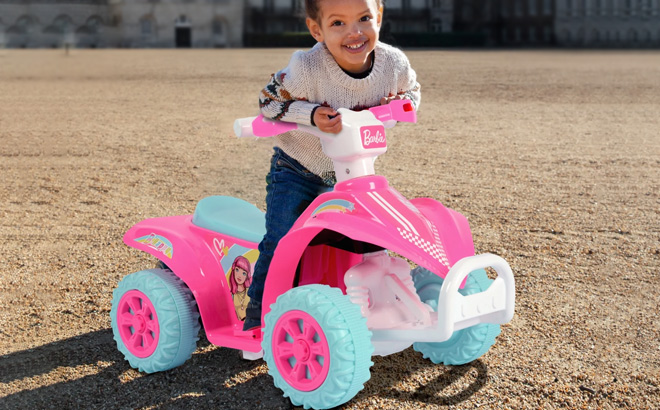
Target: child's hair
243	263
312	8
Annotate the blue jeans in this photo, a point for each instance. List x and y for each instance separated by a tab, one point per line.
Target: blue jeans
290	189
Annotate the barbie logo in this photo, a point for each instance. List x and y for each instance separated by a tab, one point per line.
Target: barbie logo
373	136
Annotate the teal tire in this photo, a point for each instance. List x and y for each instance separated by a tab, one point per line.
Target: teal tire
317	346
464	345
155	320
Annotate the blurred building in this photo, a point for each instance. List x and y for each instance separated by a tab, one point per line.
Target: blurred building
567	23
235	23
608	23
417	16
121	23
405	22
507	22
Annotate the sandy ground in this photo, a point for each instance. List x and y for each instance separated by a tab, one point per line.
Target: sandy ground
553	156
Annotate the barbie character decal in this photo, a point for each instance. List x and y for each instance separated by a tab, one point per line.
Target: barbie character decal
240	278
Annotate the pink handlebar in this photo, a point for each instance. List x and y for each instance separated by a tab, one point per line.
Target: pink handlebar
389	114
261	127
396	110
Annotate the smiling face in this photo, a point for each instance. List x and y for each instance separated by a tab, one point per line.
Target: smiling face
349	28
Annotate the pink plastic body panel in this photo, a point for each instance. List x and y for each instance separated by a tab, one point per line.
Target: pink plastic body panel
194	254
454	229
367	209
327	265
364	209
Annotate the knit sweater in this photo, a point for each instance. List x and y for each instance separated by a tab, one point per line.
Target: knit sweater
314	78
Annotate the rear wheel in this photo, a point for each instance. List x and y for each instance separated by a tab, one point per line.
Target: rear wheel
464	345
155	321
317	346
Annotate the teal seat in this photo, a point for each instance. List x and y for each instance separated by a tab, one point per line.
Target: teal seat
231	216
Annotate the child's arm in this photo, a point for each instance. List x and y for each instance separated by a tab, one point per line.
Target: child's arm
413	94
277	103
408	87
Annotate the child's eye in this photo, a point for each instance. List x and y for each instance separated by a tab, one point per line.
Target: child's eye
365	18
336	23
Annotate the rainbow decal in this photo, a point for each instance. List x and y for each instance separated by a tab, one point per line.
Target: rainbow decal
159	243
334	205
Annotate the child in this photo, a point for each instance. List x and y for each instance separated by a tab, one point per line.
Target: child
348	68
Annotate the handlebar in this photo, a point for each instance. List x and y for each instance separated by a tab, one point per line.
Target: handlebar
354	149
389	115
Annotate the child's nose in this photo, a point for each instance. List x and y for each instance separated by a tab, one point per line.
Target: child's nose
355	30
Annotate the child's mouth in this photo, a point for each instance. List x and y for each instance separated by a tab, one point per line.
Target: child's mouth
355	48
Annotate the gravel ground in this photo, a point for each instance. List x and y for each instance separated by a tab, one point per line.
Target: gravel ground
553	156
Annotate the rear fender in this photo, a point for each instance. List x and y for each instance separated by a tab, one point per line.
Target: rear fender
182	247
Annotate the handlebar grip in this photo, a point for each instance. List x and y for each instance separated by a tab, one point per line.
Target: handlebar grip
243	127
403	111
261	127
396	110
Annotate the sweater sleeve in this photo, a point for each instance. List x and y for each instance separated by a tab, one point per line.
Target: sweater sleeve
408	87
278	102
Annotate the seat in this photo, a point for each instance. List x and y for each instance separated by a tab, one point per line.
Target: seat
231	216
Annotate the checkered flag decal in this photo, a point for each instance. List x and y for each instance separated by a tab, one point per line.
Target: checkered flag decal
436	251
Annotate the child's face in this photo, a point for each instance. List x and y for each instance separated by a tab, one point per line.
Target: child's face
349	29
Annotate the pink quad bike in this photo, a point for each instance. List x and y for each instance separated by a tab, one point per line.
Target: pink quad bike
335	295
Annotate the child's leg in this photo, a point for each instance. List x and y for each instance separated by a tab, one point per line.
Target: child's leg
290	190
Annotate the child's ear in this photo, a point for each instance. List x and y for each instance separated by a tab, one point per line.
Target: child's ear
314	29
379	20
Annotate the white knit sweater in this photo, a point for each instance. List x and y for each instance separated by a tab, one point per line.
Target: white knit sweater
314	78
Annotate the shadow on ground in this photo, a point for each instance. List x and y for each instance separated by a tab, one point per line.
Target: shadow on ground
87	371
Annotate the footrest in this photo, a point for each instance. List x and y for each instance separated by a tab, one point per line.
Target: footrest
494	305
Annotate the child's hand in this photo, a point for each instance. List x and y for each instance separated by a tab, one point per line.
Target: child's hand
387	100
327	120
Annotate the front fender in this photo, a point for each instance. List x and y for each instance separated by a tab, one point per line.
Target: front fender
367	210
290	249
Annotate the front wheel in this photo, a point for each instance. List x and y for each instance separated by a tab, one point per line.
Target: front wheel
317	346
464	345
155	321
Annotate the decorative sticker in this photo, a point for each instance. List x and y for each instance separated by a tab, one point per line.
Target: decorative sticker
159	243
435	250
334	205
238	264
373	136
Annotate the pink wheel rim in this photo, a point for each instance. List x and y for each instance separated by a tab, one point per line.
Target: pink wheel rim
300	350
138	323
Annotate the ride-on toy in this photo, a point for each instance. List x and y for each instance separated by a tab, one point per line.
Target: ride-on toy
335	294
